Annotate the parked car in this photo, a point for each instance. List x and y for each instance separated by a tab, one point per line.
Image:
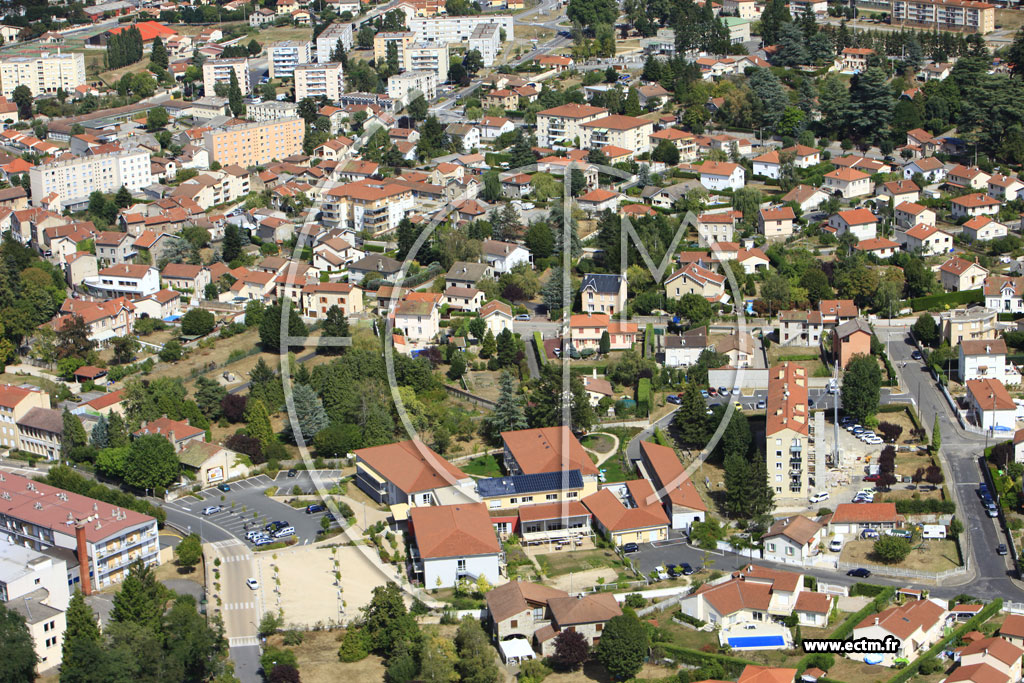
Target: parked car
704	393
735	391
761	405
836	545
723	391
869	533
292	472
631	548
212	509
274	526
1001	549
819	497
524	317
686	569
252	583
712	391
285	532
674	399
315	507
224	487
916	355
873	477
859	572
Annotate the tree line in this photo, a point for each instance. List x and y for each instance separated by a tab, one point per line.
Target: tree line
124	48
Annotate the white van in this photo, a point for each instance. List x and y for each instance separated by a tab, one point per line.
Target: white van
933	531
819	497
287	531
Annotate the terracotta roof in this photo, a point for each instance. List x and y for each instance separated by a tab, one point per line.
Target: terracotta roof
1013	625
787	399
958	266
876	243
540	450
495	306
798	528
990	394
591	609
598	195
977	199
922	231
977	673
411	467
721	168
927	164
126	270
901	187
618	122
732	596
766	674
782	213
573	111
847	175
165	426
902	621
669	469
847	513
1003	650
516	597
453	530
616	516
818	603
995	284
573	508
980	347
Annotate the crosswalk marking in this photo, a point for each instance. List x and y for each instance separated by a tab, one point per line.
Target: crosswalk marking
243	641
239	605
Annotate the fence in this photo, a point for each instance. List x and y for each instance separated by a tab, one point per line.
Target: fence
908	573
472	398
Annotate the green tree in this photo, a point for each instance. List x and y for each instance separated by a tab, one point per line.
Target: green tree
171	351
417	108
871	103
123	198
354	646
539	240
270	325
208	395
152	462
235	99
386	620
189	551
891	549
22	97
508	414
231	248
488	346
591	13
691	417
736	439
936	434
476	656
623	646
335	325
926	330
117	431
81	650
99	436
257	422
157	118
862	383
74	433
457	366
775	14
605	344
438	659
775	292
310	415
197	322
738	486
141	598
667	153
17	650
158	56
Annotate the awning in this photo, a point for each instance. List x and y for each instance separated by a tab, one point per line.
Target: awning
517	649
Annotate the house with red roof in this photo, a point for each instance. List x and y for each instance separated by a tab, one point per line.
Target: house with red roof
983	229
630	512
179	432
915	625
848	183
695	279
861	223
453	543
405	473
598	200
990	405
679	497
752	594
586	330
976	204
926	238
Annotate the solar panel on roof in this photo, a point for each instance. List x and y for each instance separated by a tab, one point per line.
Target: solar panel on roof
529	483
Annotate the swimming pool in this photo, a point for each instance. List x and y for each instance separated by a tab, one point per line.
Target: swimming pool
756	642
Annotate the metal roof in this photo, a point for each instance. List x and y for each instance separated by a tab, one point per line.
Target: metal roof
528	483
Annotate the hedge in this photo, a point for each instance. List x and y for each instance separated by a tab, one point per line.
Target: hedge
643	396
798	357
649	340
845	629
870	590
899	408
951	299
909	506
538	342
733	666
971	624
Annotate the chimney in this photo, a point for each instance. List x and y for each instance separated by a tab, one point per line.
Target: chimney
876	621
83	559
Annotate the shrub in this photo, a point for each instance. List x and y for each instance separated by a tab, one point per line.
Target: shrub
354	646
643	397
891	549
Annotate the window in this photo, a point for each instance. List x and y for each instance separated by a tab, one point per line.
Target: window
514	623
462	565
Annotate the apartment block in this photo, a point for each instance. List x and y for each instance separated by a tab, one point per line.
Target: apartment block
44	73
627	132
486	39
15	404
376	207
105	538
254	144
401	39
946	15
272	111
428	57
285	56
408	85
219	71
35	585
787	433
457	29
563	124
319	80
327	41
75	179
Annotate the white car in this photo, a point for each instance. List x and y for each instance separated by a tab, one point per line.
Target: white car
252	583
836	545
819	497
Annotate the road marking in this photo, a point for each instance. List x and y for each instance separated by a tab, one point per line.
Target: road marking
243	641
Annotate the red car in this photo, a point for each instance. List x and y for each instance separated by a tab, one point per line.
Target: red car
872	477
712	391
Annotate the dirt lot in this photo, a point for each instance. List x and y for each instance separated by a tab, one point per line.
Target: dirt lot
484	383
931	556
318	660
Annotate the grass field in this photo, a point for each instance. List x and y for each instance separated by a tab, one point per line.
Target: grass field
932	556
1010	19
278	33
484	466
113	76
558	564
597	442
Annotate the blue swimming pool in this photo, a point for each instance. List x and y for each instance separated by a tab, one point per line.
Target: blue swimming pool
752	642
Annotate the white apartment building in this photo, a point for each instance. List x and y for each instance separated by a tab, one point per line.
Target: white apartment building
319	80
628	132
132	280
406	86
283	57
564	123
219	71
75	179
457	29
45	73
272	111
35	515
35	586
428	57
486	39
328	40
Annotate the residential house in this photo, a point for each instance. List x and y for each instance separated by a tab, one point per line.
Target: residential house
738	348
464	274
899	191
849	519
931	168
915	625
679	497
599	200
466	299
163	305
628	132
972	205
319	298
603	293
695	279
967	177
958	275
587	329
547	449
418	315
124	279
717	227
851	338
990	405
1004	187
909	214
682	140
186	278
927	239
562	125
750	595
497	315
504	256
983	229
1004	294
752	260
721	175
971	323
861	223
986	359
806	197
768	165
333	254
794	540
682	350
879	247
629	513
451	543
493	127
114	247
776	222
180	433
848	183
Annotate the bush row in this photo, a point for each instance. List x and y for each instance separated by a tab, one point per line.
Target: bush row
951	299
733	666
925	506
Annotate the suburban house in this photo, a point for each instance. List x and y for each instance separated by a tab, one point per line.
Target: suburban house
752	594
991	405
1004	294
513	491
603	293
768	165
722	175
967	323
752	260
179	433
909	214
879	247
418	315
861	223
986	359
467	299
497	315
717	227
958	275
931	168
988	659
662	466
695	279
451	543
799	328
405	473
851	338
586	330
899	191
982	229
776	222
793	539
464	274
317	299
971	205
386	269
1013	627
625	513
684	349
916	625
852	518
848	183
504	256
806	197
1004	187
926	238
598	200
519	610
967	177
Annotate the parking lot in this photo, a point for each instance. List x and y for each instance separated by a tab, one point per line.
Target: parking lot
245	506
820	399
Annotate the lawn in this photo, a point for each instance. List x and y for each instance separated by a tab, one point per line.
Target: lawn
781	354
483	466
276	34
112	77
930	556
1009	19
615	470
318	659
597	442
558	564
